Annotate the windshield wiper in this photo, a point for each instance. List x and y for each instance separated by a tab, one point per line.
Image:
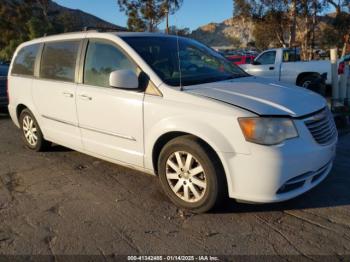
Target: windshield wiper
234	76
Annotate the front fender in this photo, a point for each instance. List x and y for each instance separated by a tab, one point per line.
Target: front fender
221	142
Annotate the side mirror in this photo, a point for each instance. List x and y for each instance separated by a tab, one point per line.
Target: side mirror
124	79
255	63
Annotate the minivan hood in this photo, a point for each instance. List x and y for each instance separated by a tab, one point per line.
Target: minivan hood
262	96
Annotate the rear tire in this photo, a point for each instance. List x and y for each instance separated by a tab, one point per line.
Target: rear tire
191	175
307	80
31	132
314	83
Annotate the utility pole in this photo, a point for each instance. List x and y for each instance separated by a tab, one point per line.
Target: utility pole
293	22
167	16
313	28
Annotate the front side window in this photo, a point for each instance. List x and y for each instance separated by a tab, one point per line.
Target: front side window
25	61
182	61
267	58
59	61
102	59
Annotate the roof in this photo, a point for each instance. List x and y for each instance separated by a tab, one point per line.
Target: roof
141	34
82	34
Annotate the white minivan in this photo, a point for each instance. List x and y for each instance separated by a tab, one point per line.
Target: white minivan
174	108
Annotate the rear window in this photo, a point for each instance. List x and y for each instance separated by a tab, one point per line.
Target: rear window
59	60
291	56
25	61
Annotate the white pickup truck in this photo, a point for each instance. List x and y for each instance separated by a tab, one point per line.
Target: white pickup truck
283	64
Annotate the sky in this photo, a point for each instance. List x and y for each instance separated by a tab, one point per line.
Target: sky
193	13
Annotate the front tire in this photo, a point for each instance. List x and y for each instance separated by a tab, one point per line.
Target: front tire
31	132
191	175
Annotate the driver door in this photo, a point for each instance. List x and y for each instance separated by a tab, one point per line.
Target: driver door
110	119
265	66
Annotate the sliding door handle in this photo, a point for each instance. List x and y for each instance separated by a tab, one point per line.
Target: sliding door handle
86	97
68	94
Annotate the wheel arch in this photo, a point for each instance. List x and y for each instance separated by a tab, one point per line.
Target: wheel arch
302	75
19	109
167	137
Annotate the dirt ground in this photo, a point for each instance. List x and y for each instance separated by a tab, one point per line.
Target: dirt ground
64	202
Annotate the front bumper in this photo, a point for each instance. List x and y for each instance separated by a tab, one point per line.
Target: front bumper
278	173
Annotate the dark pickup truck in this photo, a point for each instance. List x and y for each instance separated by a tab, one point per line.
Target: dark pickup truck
3	85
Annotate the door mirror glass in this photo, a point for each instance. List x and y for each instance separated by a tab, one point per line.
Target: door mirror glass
124	79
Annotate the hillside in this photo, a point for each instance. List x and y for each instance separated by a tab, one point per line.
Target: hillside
55	11
81	19
238	31
227	33
22	20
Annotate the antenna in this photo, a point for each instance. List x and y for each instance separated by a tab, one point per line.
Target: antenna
179	60
178	52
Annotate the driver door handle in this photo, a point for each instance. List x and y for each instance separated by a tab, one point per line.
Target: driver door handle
271	68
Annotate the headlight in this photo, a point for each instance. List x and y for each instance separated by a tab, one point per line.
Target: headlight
267	130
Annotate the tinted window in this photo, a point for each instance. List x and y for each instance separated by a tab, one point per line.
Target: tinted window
25	61
101	60
267	58
59	60
182	61
291	56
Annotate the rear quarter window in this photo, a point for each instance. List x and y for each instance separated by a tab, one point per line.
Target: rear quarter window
59	60
25	61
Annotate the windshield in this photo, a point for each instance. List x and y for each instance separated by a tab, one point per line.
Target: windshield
198	63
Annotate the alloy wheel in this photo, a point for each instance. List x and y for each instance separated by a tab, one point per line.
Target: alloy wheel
186	176
30	130
306	84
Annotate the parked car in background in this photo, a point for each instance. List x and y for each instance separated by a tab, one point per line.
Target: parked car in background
342	62
241	59
285	65
3	85
172	107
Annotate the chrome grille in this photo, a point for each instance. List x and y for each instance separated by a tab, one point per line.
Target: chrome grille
322	127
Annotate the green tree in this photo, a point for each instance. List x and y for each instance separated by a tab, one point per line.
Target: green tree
36	28
13	29
340	25
147	14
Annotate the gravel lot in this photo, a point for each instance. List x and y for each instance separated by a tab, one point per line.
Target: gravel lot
64	202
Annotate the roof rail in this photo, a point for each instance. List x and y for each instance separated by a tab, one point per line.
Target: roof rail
103	29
